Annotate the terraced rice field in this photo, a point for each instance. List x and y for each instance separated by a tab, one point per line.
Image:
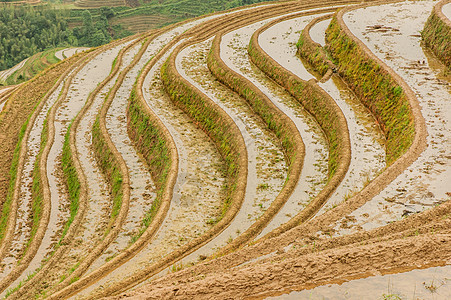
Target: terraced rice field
263	152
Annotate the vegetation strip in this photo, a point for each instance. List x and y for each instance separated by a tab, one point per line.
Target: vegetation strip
113	166
326	112
374	187
275	120
24	101
74	187
418	143
313	52
41	191
16	171
158	148
199	35
226	135
310	228
437	33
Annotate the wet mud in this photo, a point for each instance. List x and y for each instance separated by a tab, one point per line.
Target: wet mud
392	32
267	168
314	171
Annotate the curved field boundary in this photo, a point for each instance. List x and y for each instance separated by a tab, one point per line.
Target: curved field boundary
165	178
11	223
42	174
305	235
289	271
382	91
313	52
276	121
14	121
111	163
437	33
226	135
122	258
326	112
412	153
198	34
68	238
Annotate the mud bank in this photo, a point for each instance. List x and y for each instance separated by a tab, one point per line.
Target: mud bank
422	185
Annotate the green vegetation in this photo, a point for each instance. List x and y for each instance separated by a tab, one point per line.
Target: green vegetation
149	141
27	30
376	89
437	36
255	97
177	10
72	181
30	96
314	100
313	54
6	208
109	166
33	66
208	118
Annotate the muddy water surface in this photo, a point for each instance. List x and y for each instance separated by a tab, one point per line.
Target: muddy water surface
446	9
392	33
96	70
279	41
432	283
141	184
318	32
267	168
367	143
314	171
198	191
367	150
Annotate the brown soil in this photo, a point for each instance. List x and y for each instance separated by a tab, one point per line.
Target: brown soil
293	257
295	270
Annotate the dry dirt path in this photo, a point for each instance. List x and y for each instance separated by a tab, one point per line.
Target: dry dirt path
424	184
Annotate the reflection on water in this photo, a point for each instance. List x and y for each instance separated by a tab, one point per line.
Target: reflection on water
432	283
